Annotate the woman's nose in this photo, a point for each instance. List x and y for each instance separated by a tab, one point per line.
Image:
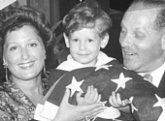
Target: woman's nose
25	53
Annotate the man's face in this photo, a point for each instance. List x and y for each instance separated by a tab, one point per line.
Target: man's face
140	41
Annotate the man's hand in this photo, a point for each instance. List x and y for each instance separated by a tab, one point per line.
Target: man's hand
115	101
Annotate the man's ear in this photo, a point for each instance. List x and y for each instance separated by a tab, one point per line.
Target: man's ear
66	40
105	41
45	54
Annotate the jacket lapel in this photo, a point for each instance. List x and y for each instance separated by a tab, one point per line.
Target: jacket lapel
161	88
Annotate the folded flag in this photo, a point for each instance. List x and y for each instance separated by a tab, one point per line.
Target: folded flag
5	3
146	104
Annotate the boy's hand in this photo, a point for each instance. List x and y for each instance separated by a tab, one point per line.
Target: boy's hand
91	97
68	112
115	101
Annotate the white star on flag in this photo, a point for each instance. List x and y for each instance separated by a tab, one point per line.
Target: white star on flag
160	103
110	113
5	3
121	81
103	67
133	108
75	86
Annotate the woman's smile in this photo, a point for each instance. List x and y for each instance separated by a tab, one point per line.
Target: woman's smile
26	65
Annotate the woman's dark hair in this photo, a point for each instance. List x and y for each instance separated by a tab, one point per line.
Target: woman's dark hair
16	17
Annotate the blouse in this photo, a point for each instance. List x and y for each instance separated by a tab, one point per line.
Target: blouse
14	104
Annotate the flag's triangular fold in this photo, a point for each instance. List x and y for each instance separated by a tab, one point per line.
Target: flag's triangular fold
5	3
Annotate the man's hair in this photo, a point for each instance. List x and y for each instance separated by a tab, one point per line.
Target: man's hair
160	4
87	15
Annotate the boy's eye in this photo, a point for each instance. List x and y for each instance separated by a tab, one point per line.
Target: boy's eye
13	48
90	40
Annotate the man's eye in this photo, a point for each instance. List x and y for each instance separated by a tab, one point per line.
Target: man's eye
90	40
13	48
33	44
123	31
139	35
75	40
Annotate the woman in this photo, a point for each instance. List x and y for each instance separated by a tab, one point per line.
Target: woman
25	36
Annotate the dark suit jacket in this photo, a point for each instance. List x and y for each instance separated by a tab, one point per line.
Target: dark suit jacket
161	88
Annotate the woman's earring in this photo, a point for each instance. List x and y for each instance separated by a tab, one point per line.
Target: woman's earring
44	73
4	63
6	70
44	70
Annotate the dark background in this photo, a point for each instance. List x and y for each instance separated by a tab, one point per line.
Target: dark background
55	10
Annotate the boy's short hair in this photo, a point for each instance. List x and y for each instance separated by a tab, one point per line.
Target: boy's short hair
87	15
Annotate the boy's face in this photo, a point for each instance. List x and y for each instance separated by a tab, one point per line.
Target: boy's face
85	45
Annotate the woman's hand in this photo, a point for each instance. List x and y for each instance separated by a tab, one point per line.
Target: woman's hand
68	112
90	97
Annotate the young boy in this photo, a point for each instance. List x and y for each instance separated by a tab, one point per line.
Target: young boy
86	31
86	28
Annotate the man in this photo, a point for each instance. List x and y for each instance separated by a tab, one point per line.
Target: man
142	40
